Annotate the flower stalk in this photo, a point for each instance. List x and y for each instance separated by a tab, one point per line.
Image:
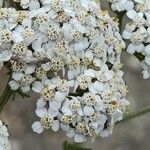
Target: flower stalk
5	97
135	114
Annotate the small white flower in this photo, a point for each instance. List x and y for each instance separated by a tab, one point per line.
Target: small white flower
46	122
137	29
121	5
22	81
4	142
72	106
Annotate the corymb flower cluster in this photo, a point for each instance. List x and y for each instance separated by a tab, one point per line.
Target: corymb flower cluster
68	52
137	30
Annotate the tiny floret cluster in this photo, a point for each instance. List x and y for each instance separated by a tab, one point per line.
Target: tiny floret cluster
68	52
137	30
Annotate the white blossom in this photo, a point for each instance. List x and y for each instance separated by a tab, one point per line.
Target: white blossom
46	122
137	29
121	5
4	142
68	52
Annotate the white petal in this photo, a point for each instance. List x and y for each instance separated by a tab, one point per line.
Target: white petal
139	48
17	38
147	50
55	126
92	89
1	3
94	125
117	115
25	89
102	120
147	60
3	141
124	102
90	72
131	14
29	70
89	55
6	55
24	2
64	127
80	112
99	86
129	5
52	112
105	133
120	6
67	28
46	67
66	110
131	49
79	138
1	123
14	85
71	74
36	45
40	102
78	46
54	105
34	5
127	35
37	86
17	76
43	28
60	96
146	74
99	106
88	110
70	133
41	111
37	127
3	131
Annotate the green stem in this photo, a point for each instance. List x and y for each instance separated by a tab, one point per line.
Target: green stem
5	97
120	16
139	56
135	114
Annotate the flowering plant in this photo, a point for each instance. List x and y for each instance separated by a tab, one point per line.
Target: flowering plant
69	53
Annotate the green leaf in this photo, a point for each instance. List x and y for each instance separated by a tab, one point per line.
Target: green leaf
73	146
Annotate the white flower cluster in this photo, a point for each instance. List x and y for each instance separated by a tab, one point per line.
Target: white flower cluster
88	115
67	51
137	30
4	142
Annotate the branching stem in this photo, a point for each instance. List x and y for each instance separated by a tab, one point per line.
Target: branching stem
135	114
5	97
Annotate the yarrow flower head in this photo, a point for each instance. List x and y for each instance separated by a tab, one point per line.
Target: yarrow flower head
68	52
137	30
